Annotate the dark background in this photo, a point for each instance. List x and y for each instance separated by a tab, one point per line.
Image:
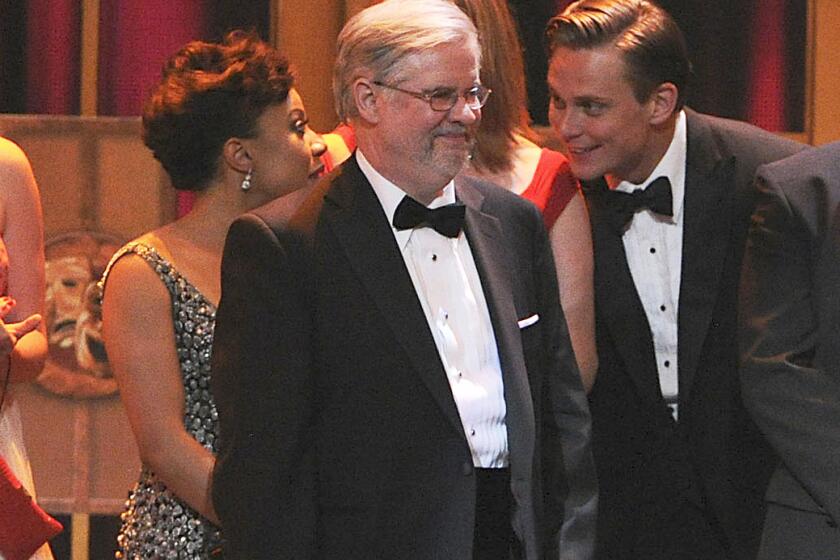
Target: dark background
723	42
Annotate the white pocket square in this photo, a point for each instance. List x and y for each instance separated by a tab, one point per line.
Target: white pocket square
528	321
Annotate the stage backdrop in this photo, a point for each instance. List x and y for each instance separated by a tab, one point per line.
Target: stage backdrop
99	187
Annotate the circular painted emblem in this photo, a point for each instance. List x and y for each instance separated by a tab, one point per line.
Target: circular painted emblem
77	366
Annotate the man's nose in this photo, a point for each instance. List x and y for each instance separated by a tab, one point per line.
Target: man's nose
568	125
462	113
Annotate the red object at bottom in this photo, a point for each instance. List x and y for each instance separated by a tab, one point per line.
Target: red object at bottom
24	526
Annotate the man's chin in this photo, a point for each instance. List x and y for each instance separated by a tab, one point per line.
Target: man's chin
585	173
452	164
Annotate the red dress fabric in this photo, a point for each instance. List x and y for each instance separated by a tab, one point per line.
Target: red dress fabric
553	186
349	137
347	134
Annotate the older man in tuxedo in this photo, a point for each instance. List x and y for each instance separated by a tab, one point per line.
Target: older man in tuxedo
392	367
682	469
790	300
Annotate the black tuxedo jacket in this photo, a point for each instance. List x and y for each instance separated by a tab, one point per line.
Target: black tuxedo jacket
714	457
340	435
791	340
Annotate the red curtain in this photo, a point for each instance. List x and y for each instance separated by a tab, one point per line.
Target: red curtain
135	39
767	66
53	44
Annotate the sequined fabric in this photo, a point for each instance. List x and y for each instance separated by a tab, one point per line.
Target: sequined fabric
155	523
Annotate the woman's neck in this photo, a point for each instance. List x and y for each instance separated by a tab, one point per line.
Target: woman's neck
525	156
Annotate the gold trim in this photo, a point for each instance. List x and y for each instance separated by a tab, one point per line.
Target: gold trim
826	81
275	9
802	137
80	536
90	57
810	72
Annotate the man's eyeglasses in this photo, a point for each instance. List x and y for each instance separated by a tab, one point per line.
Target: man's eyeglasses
444	99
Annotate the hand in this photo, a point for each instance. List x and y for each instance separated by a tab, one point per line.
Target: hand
12	332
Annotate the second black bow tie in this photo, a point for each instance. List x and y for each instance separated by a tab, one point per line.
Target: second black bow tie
446	220
621	206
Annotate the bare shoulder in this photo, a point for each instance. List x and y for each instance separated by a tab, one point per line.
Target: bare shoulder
132	283
136	309
12	157
158	240
15	170
18	190
132	272
575	213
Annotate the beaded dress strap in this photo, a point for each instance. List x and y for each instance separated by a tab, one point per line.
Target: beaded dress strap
145	252
169	275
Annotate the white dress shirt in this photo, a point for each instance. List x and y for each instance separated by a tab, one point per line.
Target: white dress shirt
653	245
449	289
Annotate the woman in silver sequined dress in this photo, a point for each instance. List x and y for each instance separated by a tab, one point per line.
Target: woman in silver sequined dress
225	123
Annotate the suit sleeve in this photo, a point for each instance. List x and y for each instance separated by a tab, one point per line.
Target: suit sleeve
795	403
262	482
570	479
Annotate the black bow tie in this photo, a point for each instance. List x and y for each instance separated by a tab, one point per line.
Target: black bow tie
621	206
446	220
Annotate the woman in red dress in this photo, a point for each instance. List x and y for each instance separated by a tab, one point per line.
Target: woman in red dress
506	153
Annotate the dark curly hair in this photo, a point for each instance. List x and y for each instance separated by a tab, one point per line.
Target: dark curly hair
210	92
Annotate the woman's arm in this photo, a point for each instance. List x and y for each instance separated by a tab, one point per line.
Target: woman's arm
571	242
140	340
23	234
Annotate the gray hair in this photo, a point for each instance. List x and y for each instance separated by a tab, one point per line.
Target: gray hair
379	38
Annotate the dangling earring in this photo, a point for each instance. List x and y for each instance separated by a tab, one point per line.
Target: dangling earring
246	182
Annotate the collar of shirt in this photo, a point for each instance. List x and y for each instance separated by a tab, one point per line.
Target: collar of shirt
390	195
672	165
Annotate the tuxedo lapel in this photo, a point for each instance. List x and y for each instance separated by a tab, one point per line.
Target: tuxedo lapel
355	216
618	307
827	273
492	260
706	231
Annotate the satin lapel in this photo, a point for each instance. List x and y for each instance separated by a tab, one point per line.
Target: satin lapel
706	236
353	213
828	270
492	259
618	307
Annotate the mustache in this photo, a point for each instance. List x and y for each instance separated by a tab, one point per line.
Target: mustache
450	130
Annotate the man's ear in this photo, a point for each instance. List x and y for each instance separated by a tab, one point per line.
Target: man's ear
366	97
236	155
663	102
